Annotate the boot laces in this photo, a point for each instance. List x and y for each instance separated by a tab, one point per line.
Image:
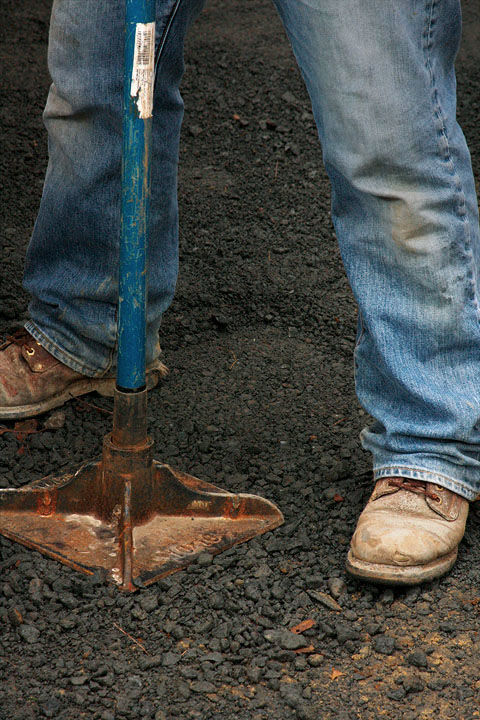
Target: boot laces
20	337
416	486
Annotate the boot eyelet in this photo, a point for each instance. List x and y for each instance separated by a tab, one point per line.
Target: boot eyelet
30	351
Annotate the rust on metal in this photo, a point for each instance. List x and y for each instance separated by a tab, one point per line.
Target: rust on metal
47	502
133	517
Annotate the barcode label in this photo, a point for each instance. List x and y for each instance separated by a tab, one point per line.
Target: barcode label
144	45
143	68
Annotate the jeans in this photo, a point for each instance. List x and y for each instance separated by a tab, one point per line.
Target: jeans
71	268
381	80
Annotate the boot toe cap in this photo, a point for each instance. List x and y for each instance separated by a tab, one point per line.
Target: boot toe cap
400	546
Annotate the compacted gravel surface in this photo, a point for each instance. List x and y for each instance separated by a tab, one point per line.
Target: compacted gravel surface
259	399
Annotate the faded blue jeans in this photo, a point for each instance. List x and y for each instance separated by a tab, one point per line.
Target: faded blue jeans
381	80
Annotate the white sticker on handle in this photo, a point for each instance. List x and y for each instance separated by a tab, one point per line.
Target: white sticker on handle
143	68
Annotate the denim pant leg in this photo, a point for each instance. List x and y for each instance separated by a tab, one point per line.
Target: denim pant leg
381	79
71	268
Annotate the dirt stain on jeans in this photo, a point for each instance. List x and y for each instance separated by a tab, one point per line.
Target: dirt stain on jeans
425	257
412	232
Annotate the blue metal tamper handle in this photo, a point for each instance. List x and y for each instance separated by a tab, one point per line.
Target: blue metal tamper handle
137	131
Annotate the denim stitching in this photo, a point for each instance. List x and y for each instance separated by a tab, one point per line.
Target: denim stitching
445	149
114	348
359	339
163	39
426	475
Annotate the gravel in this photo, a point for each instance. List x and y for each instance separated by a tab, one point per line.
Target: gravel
29	634
418	658
384	644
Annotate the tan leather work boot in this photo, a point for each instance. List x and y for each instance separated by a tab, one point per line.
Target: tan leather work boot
408	533
32	381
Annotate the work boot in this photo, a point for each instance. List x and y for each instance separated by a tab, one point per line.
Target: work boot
32	381
408	533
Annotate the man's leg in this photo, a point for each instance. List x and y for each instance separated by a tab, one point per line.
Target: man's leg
382	84
72	260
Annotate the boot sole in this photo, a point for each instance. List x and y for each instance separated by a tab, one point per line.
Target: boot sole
104	387
396	575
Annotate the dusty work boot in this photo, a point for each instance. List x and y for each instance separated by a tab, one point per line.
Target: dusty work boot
32	381
408	533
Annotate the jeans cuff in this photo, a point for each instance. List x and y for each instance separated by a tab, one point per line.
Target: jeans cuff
62	355
430	476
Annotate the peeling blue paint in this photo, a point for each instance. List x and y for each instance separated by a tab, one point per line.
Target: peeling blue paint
134	225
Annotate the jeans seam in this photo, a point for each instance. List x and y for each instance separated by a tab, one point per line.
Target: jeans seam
441	129
163	39
113	349
359	339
